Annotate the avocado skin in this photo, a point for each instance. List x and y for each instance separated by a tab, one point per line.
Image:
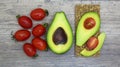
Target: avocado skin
71	37
82	34
87	53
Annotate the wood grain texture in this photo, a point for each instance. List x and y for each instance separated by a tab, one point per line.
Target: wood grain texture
11	53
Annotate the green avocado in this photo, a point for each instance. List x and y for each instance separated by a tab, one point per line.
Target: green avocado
87	53
59	35
82	33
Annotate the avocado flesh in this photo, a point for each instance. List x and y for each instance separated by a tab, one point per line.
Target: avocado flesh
60	21
83	34
87	53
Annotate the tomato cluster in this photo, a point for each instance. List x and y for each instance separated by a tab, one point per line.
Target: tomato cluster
39	30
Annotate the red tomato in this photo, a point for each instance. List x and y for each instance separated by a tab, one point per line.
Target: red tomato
38	30
92	43
39	43
89	23
38	14
22	35
29	50
24	21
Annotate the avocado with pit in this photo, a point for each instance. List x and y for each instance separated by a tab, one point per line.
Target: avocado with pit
60	35
88	53
88	25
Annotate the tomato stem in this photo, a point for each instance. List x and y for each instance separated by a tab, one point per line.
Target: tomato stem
46	49
12	37
45	24
18	16
11	32
46	12
36	55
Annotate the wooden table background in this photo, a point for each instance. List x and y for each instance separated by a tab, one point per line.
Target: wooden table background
12	55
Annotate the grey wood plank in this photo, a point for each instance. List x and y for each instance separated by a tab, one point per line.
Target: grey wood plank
8	1
12	55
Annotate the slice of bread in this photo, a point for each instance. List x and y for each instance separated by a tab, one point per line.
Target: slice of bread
79	11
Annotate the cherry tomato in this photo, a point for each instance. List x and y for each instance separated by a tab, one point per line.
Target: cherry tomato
38	30
92	43
89	23
24	21
39	43
29	50
38	14
22	35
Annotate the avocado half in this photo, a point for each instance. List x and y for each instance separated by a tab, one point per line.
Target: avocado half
60	22
83	34
87	53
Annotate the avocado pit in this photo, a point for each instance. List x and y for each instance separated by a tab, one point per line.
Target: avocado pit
59	36
89	23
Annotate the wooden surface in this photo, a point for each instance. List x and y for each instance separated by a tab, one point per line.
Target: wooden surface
11	53
80	10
